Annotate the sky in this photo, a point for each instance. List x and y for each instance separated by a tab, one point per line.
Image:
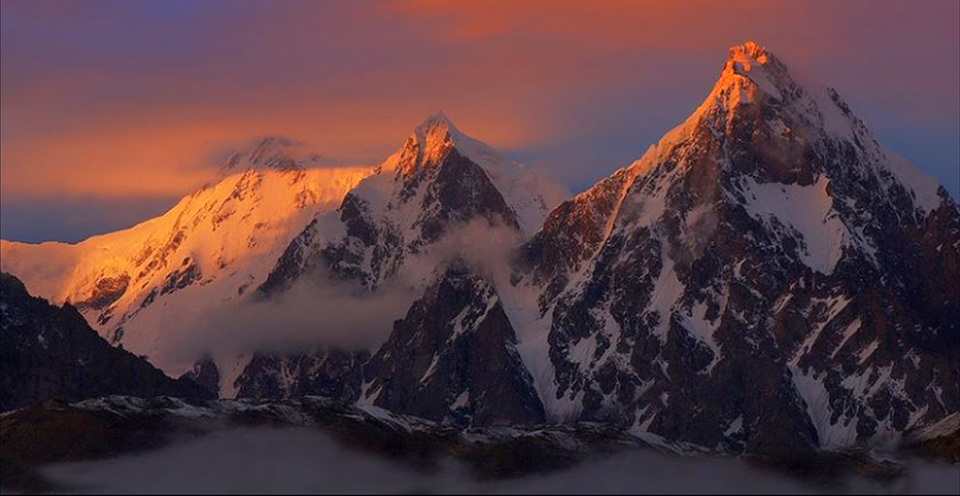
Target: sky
112	110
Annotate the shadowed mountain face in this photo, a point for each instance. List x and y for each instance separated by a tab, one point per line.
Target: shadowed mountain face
51	353
454	358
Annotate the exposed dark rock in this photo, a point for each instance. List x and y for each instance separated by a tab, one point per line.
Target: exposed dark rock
296	260
181	278
206	375
106	291
453	358
51	353
322	372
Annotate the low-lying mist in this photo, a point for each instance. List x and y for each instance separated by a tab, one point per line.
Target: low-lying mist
297	461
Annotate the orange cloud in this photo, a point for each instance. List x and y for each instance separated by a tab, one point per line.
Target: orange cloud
156	152
136	99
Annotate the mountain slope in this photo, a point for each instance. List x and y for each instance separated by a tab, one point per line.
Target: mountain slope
51	353
765	277
144	288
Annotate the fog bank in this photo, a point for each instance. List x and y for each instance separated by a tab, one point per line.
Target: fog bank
300	462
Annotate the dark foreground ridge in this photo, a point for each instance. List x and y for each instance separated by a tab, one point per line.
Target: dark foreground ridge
51	352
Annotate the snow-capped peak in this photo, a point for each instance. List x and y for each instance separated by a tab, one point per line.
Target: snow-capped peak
436	128
759	100
751	73
437	134
202	254
434	138
753	76
750	49
271	152
439	182
749	54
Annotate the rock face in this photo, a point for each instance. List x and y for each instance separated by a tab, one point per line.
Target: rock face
767	277
206	375
454	358
51	353
330	373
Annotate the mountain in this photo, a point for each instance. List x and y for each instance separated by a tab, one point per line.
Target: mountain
439	180
51	353
766	277
145	288
267	224
397	229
